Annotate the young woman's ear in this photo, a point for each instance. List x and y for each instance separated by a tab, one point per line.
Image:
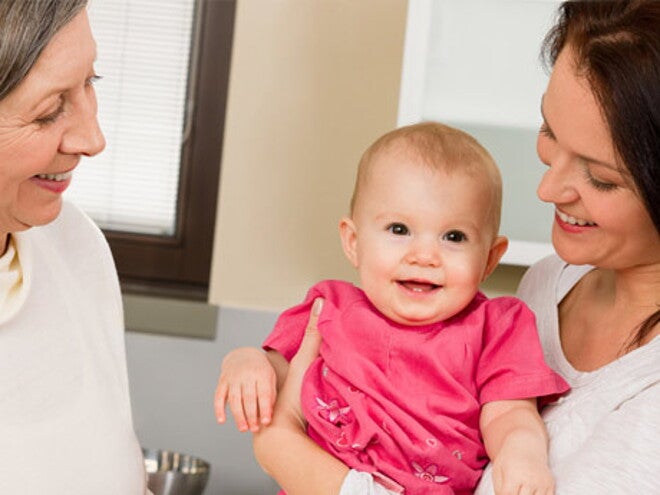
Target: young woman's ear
497	250
348	236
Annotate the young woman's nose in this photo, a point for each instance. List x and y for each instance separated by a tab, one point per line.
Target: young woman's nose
83	136
424	252
558	182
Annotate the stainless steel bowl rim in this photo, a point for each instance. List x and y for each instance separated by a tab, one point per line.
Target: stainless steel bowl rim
158	461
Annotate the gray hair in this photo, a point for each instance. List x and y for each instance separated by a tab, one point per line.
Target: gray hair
26	27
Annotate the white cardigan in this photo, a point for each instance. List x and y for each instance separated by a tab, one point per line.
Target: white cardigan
65	417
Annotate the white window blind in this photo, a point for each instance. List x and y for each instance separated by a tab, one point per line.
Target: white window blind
143	57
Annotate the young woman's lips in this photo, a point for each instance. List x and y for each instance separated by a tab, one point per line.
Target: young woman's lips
572	224
55	183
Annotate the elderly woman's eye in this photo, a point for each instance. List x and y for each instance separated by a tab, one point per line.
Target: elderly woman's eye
91	80
455	236
51	117
398	229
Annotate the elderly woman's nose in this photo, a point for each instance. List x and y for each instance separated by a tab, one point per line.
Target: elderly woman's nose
84	136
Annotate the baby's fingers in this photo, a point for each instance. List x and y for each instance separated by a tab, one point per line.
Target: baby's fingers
548	490
250	406
266	394
220	401
506	486
235	398
535	490
527	489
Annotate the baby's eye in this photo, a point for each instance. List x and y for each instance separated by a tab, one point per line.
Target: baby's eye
398	229
454	236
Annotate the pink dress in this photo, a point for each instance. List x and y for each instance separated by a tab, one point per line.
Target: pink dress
403	402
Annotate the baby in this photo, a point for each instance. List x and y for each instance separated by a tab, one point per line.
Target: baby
420	377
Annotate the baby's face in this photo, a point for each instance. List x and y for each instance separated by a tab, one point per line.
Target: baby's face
420	238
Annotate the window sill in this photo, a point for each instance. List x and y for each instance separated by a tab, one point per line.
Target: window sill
173	317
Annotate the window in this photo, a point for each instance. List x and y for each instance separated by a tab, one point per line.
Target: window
162	107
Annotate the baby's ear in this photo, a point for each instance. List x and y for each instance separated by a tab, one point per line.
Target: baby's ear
348	235
495	253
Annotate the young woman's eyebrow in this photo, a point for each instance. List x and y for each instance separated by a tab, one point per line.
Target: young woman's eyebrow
589	159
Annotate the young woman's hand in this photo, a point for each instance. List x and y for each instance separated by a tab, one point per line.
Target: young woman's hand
283	449
248	383
308	351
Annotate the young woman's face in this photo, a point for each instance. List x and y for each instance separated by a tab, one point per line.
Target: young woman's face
46	124
599	217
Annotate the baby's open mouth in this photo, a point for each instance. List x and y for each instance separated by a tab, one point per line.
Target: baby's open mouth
418	286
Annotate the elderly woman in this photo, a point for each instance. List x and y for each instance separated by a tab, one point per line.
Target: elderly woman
65	417
597	302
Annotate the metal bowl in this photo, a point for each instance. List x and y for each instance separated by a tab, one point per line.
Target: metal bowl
172	473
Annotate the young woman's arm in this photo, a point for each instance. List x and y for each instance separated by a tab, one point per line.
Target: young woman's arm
285	451
283	448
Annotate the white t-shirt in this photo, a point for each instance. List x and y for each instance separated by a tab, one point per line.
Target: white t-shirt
65	417
604	434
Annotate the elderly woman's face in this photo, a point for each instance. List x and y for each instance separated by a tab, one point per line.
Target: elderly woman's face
46	124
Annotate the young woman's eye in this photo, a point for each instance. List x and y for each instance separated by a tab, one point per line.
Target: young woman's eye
398	229
545	131
455	236
600	185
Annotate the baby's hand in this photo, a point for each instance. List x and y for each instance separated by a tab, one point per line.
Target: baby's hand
249	384
516	473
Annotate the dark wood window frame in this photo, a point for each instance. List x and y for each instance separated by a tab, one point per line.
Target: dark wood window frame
179	266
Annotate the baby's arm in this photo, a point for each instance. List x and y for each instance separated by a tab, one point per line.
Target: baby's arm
249	381
517	443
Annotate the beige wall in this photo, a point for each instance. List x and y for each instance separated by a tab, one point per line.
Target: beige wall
313	82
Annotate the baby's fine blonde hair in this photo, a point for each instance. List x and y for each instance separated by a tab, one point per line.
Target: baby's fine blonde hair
440	147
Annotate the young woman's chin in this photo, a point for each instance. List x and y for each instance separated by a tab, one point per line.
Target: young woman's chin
574	249
607	253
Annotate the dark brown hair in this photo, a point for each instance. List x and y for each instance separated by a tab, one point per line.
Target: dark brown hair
26	27
617	49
